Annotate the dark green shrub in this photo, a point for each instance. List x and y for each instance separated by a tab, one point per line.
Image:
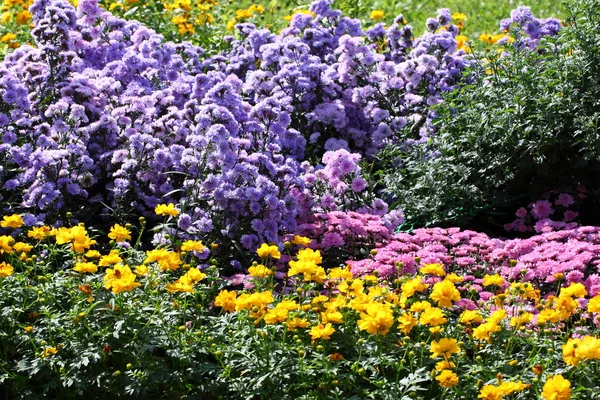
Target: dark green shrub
528	124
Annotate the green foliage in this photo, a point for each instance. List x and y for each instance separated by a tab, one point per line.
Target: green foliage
528	124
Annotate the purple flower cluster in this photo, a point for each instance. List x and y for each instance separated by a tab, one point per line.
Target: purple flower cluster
571	255
349	89
527	28
105	112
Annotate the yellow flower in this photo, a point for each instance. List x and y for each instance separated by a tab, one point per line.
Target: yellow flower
8	37
166	260
40	233
92	254
489	280
141	270
410	287
296	323
377	320
226	300
433	269
23	17
594	304
322	331
6	243
485	330
28	329
166	209
447	379
5	17
574	290
243	13
557	388
462	43
407	322
469	317
444	347
49	351
231	24
341	273
6	270
193	245
195	275
490	392
442	365
458	16
21	247
265	251
307	12
82	267
377	15
119	233
335	317
444	293
507	387
259	271
301	241
12	221
180	285
276	315
420	306
111	258
521	320
120	279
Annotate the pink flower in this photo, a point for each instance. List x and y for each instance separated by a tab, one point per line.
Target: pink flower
521	212
570	215
564	200
541	209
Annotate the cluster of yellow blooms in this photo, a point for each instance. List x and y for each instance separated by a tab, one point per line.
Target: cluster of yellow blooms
13	12
244	14
377	308
188	15
424	303
118	277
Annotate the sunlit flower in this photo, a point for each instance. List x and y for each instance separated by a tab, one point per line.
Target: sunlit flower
321	331
432	269
166	209
119	233
447	378
226	300
444	293
377	320
120	279
377	15
444	347
83	267
557	388
12	221
266	251
6	270
259	271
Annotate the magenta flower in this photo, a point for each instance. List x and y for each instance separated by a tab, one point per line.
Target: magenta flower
542	209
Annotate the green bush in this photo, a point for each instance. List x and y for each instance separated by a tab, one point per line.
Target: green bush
527	124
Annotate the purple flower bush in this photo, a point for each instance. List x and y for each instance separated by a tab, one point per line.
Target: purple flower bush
570	255
349	89
104	118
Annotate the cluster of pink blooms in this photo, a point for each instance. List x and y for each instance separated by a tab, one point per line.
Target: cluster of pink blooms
547	215
348	229
571	255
